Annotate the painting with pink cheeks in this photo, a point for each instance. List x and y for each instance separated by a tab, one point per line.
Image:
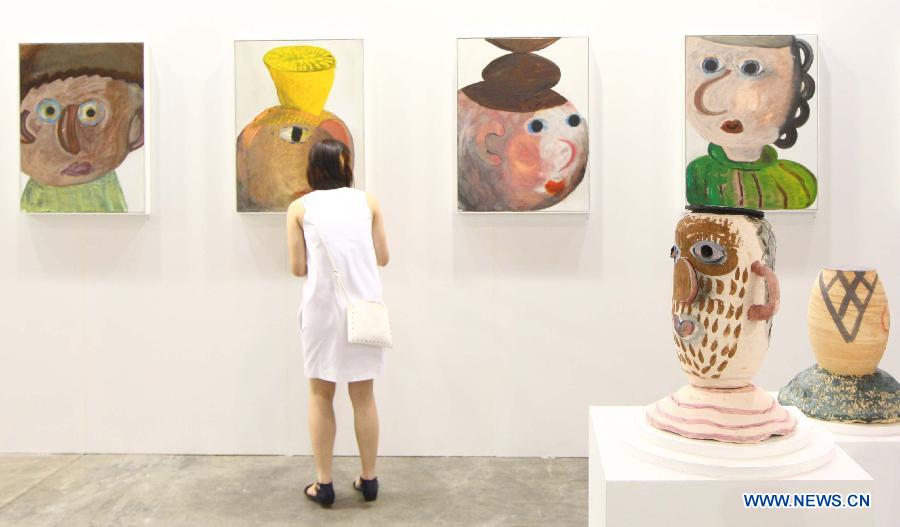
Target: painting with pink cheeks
522	129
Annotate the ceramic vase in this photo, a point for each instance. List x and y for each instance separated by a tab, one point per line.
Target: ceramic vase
849	323
725	293
848	320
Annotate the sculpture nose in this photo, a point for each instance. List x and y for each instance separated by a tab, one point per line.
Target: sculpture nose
684	282
67	130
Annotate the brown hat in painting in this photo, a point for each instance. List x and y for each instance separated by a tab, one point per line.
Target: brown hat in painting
519	81
43	63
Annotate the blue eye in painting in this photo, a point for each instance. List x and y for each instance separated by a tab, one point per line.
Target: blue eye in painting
750	68
574	120
711	65
536	126
48	110
91	113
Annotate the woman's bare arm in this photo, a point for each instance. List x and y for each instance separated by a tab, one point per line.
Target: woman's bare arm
296	242
382	256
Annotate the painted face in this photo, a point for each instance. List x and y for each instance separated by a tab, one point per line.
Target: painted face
76	130
272	154
738	97
519	161
713	291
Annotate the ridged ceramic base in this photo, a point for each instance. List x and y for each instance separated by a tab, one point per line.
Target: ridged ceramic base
739	415
818	393
809	447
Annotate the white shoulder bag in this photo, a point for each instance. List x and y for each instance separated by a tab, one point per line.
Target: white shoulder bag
367	321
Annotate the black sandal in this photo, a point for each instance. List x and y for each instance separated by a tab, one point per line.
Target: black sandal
368	487
324	493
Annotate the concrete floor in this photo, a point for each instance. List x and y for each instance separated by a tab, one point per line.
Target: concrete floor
226	491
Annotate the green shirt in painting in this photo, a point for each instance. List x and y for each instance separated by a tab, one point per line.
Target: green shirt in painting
100	195
767	183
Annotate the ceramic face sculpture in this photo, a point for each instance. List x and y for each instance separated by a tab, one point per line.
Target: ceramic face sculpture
521	145
272	151
81	114
744	94
725	294
849	323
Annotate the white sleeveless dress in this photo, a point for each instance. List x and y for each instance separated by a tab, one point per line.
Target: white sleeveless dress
342	219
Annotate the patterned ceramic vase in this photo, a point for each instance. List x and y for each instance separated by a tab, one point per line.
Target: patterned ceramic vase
725	294
848	320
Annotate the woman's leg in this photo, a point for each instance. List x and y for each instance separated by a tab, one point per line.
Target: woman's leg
365	421
321	427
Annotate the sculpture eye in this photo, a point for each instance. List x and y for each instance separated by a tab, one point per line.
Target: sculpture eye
675	252
91	113
709	252
574	120
750	68
294	134
536	126
48	110
711	65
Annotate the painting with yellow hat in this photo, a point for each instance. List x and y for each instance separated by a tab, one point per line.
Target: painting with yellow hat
288	96
81	128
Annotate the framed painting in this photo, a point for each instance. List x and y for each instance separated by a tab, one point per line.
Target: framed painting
82	128
522	127
751	119
288	96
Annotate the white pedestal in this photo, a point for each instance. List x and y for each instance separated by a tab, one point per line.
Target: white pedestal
629	492
877	449
808	448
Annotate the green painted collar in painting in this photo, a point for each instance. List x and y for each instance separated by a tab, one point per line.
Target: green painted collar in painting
769	157
103	194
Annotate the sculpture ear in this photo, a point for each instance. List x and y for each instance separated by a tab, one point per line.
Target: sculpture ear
763	312
136	130
485	131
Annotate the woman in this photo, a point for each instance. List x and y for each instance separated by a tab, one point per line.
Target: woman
337	223
744	94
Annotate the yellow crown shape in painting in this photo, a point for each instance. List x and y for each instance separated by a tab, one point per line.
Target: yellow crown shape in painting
303	76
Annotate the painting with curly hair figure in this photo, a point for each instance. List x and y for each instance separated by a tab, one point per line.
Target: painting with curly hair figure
745	96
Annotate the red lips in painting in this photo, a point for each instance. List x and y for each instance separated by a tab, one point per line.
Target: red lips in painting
733	126
554	187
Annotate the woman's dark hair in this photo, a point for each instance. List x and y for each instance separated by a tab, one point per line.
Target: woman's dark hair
804	88
329	165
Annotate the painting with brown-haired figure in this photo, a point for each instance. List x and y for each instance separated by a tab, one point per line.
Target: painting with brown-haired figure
750	134
81	128
289	95
522	130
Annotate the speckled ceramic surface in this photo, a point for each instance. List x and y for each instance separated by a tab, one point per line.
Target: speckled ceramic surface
873	398
724	296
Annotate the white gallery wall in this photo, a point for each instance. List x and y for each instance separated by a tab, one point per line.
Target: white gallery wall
177	332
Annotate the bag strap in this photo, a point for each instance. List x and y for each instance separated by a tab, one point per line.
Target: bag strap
334	267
